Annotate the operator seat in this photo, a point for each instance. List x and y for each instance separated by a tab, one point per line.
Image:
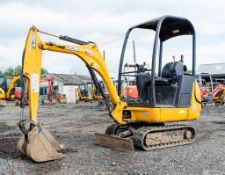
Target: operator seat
167	86
172	71
171	77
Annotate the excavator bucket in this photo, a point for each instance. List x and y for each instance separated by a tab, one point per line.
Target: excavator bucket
114	142
40	145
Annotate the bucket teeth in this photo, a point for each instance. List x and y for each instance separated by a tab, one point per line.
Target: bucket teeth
40	145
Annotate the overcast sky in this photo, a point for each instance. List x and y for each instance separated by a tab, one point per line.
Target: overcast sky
104	22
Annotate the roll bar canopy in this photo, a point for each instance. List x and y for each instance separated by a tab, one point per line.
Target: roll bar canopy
165	27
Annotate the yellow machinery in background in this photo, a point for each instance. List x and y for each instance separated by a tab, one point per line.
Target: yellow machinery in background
88	92
95	94
169	96
7	86
83	93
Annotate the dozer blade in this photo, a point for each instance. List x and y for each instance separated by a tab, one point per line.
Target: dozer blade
39	145
114	142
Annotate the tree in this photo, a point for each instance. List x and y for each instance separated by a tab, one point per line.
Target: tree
17	71
9	72
44	71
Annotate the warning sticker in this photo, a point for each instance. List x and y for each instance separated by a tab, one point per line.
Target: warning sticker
34	83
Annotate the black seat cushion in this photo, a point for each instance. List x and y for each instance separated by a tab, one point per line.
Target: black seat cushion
173	70
162	82
141	80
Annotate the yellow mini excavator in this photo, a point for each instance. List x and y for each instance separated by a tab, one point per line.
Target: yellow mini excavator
88	92
168	96
82	93
6	87
95	94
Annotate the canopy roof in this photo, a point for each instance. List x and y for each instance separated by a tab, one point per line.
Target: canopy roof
171	26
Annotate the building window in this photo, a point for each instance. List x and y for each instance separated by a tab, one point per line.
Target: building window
43	90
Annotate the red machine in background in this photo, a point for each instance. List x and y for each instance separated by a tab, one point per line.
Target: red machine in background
211	90
219	94
129	90
17	93
205	82
53	96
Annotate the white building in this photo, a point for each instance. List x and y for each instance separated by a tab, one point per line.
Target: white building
65	84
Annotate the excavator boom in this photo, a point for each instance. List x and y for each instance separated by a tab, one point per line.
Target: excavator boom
32	61
87	52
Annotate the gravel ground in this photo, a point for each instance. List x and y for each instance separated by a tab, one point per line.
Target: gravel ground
75	125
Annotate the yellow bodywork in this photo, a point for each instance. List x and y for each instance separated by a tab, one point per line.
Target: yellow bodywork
2	93
92	57
8	94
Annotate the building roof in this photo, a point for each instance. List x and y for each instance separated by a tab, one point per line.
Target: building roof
213	69
70	79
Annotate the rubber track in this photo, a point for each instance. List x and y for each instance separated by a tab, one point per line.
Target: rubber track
140	134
